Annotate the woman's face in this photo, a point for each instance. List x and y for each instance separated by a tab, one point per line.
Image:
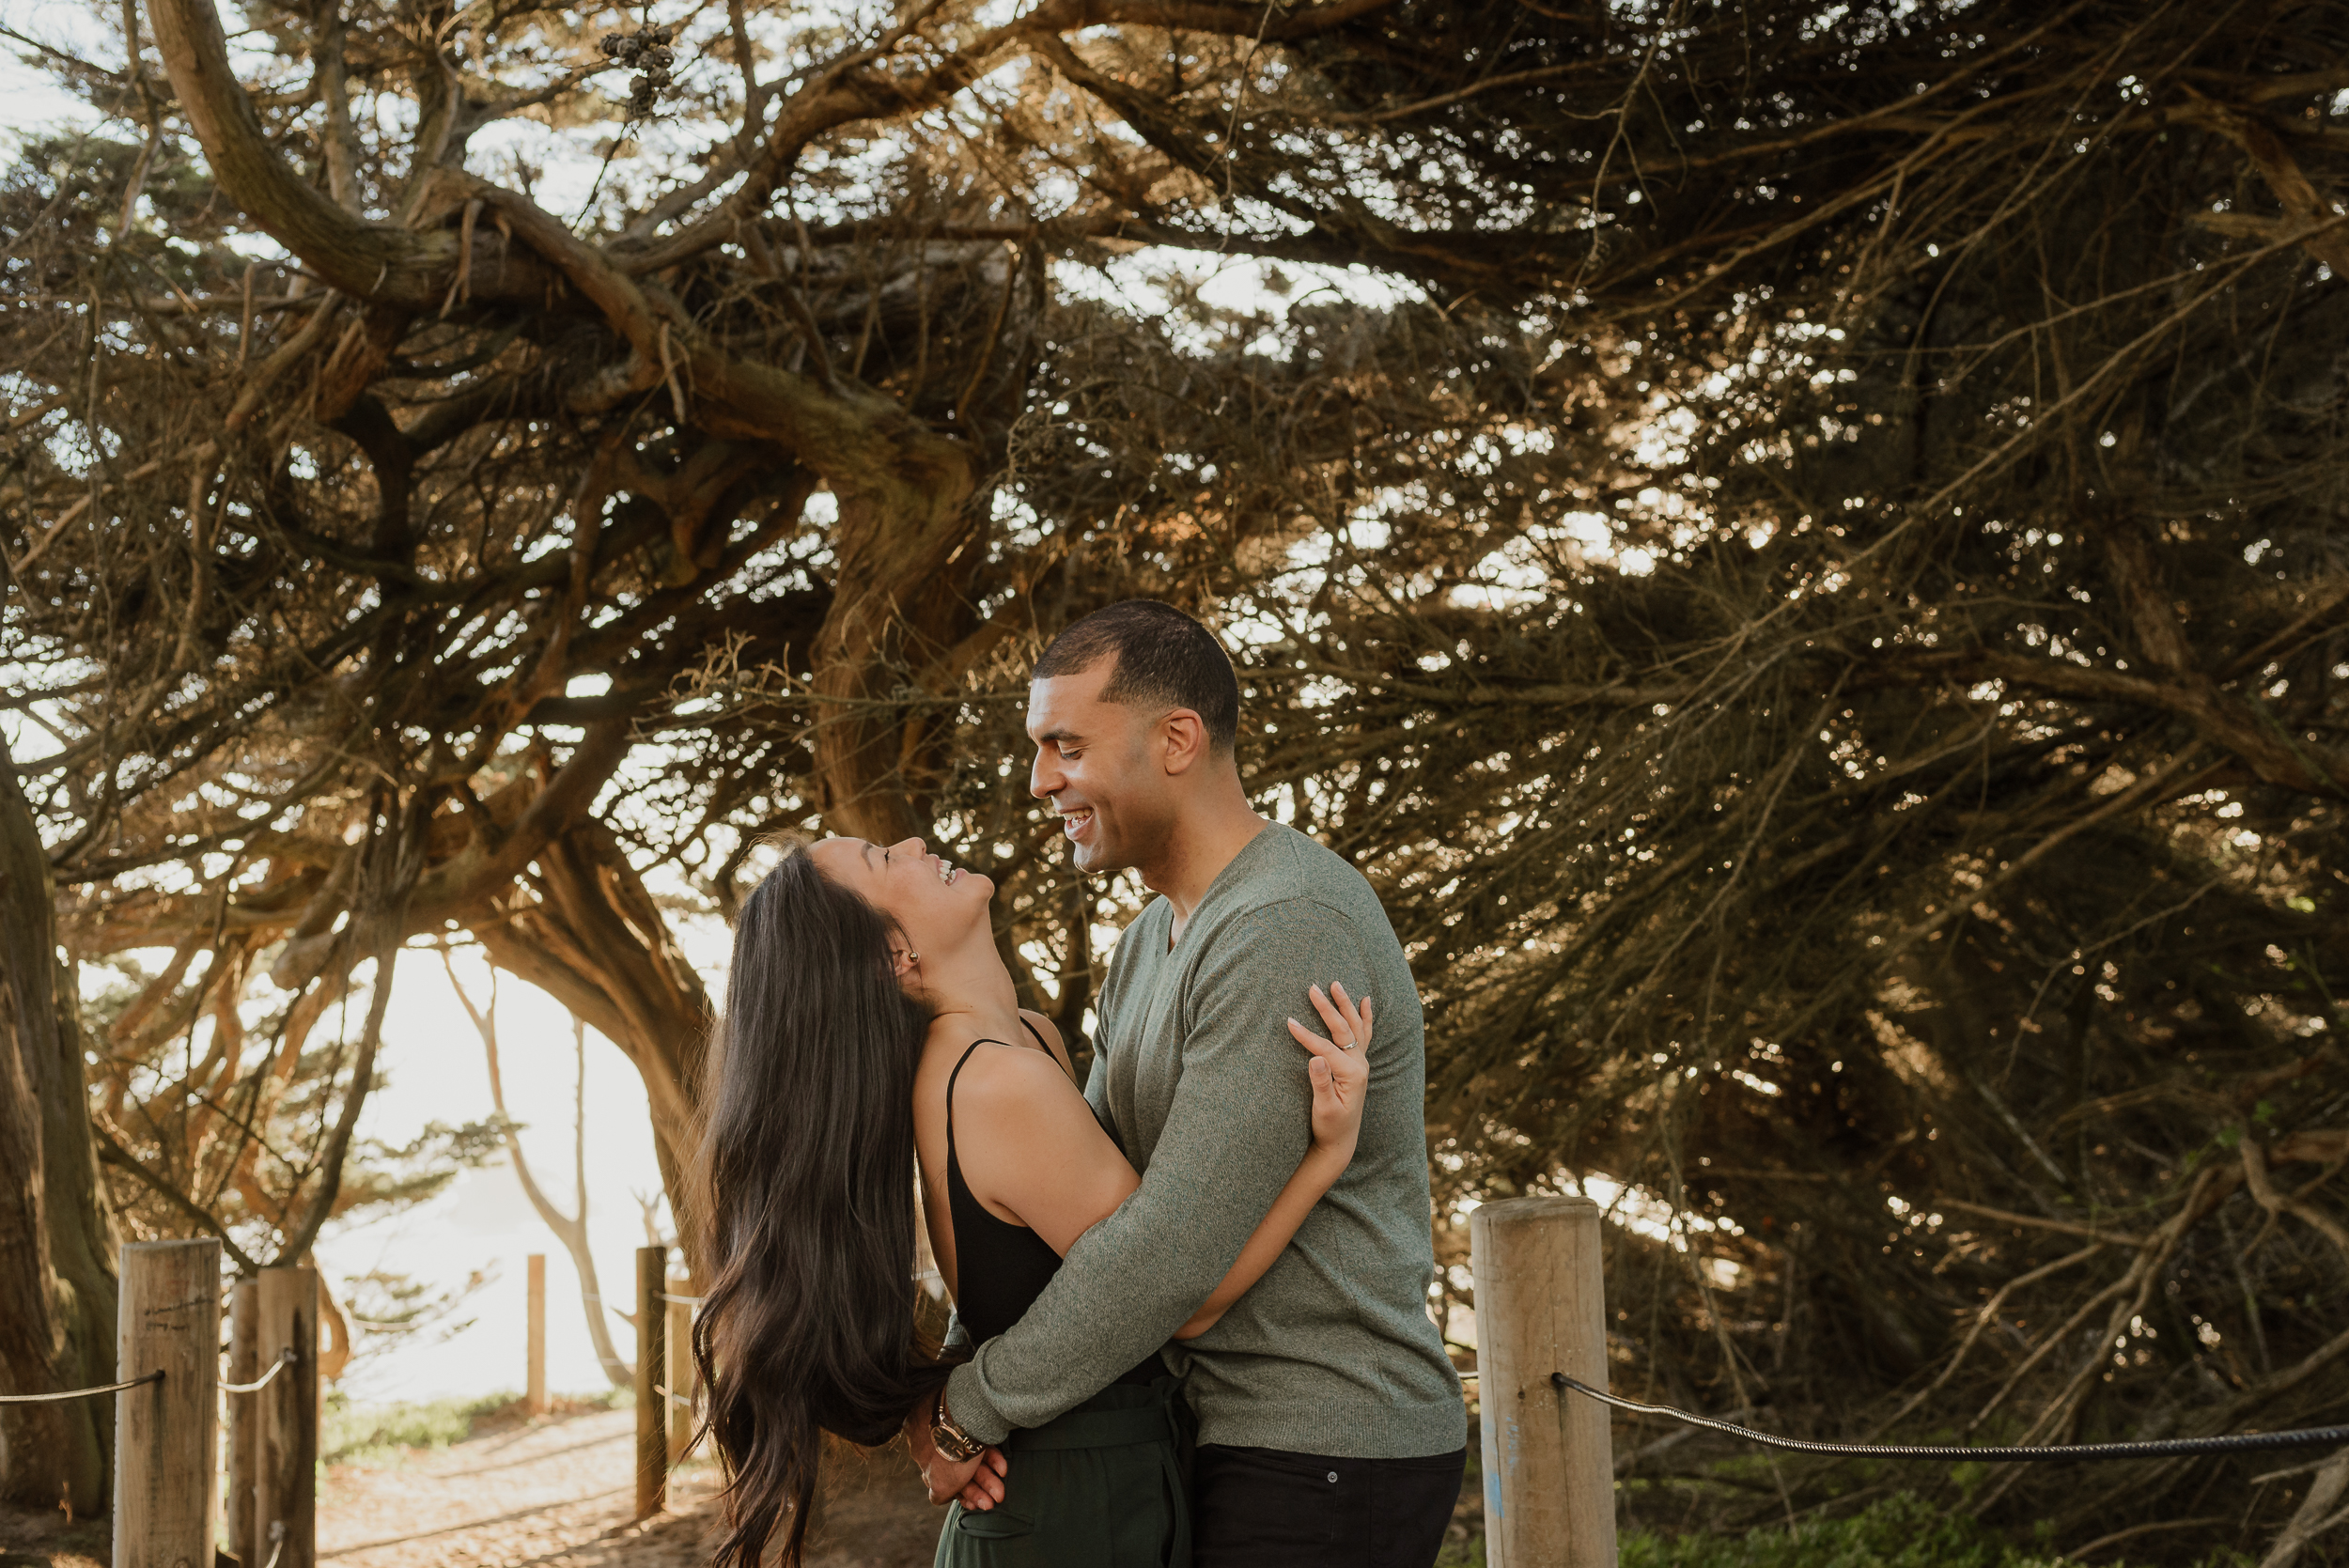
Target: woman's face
933	902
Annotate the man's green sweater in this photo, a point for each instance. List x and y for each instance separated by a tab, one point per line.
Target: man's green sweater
1332	1351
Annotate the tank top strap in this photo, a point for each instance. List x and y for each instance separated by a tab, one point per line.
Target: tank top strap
1002	1267
951	1162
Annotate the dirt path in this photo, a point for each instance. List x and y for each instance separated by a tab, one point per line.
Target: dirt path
554	1494
558	1495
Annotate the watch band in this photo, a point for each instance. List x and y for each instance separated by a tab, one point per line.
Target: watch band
948	1439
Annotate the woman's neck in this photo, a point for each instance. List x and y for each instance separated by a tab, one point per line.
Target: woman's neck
968	987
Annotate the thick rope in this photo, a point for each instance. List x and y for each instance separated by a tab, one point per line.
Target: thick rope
259	1383
2233	1443
155	1377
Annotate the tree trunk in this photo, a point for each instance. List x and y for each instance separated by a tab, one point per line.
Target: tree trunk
56	1231
905	550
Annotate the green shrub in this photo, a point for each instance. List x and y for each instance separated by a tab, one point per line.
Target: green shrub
349	1432
1901	1531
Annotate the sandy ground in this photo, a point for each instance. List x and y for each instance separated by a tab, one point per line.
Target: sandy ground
554	1494
558	1494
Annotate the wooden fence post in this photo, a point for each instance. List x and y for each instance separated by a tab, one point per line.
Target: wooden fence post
244	1365
652	1439
678	1340
1548	1458
534	1400
286	1460
168	1434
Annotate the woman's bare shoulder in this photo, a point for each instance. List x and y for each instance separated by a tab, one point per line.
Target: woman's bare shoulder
1015	1076
984	1071
1049	1032
1030	1147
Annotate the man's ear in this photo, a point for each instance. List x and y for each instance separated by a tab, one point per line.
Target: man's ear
1183	741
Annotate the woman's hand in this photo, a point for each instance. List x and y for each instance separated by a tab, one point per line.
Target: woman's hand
1340	1068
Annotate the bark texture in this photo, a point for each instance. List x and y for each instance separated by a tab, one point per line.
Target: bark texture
57	1291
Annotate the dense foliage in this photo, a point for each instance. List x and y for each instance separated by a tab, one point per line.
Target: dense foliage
1798	546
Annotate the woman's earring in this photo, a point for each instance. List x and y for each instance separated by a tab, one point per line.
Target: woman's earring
910	957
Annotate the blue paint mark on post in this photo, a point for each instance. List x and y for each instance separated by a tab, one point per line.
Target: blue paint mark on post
1489	1431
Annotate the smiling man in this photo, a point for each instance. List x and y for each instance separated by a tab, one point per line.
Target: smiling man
1330	1426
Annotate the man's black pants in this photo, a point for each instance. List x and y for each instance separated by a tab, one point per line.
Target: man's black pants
1264	1508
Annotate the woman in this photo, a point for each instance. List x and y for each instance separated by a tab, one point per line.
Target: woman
871	1028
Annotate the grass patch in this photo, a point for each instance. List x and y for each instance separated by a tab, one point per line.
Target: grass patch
354	1434
350	1432
1900	1532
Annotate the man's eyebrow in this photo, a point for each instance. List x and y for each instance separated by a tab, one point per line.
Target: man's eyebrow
1057	734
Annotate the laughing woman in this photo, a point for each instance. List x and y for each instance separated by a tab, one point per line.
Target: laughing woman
871	1026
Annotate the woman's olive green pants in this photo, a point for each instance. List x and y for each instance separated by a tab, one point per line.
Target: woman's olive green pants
1103	1486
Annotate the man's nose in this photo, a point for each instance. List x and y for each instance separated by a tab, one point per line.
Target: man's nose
1044	781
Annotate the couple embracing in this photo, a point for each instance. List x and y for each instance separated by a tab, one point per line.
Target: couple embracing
1190	1323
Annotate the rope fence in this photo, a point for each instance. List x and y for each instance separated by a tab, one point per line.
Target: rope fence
155	1377
665	1376
1545	1414
1541	1332
261	1382
174	1487
2238	1442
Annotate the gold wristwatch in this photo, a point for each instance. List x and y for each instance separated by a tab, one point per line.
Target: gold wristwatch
948	1439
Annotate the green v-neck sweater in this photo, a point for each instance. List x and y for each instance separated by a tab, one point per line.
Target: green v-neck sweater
1332	1351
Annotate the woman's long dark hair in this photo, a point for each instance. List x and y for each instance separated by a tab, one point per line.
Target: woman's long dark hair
807	1203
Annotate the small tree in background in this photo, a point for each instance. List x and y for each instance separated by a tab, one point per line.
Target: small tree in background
570	1229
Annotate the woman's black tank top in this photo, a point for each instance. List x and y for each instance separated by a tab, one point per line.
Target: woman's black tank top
999	1269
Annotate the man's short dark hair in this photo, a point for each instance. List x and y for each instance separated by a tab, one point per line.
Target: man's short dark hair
1163	655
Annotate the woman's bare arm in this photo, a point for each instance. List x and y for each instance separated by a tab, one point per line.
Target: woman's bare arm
1032	1152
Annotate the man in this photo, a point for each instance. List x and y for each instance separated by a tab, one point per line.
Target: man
1330	1425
